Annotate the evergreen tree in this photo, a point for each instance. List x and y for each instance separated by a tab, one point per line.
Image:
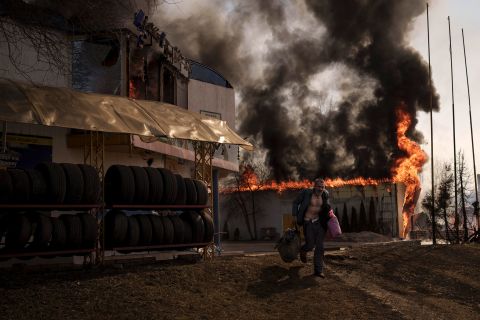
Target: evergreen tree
381	222
444	197
463	192
363	218
345	224
354	221
372	216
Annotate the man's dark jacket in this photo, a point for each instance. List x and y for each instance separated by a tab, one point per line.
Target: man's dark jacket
301	203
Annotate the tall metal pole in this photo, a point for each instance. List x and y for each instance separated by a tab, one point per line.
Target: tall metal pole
475	205
4	137
454	142
216	213
434	224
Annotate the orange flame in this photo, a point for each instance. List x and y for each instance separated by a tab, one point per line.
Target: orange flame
249	182
132	91
406	169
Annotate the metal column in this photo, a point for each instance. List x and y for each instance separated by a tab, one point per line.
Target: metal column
94	155
216	213
4	138
204	152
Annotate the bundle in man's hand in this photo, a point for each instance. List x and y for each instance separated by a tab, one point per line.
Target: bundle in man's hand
289	245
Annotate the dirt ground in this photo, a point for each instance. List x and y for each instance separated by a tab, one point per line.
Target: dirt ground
381	281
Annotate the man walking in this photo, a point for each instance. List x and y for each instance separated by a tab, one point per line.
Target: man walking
311	209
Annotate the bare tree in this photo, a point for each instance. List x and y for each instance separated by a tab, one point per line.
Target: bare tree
244	185
444	196
443	202
47	26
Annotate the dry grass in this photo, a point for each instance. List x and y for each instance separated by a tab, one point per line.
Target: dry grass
395	281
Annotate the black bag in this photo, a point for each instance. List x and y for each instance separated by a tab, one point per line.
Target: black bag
289	245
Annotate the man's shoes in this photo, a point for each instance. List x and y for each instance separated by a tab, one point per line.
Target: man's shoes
319	274
303	256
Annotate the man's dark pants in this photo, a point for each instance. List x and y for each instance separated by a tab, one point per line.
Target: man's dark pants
314	236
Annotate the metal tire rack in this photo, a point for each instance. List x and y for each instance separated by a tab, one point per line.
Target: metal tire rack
160	207
94	155
88	253
96	149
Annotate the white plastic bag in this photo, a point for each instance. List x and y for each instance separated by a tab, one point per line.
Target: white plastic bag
333	225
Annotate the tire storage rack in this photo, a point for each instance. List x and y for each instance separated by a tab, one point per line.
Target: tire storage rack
152	209
28	204
27	198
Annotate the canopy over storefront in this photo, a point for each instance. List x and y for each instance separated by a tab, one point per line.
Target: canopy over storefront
64	107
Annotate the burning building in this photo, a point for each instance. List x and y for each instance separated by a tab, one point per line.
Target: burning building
373	207
358	50
391	201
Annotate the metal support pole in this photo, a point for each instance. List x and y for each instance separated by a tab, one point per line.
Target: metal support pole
204	152
475	204
434	221
216	213
395	218
4	137
94	155
454	142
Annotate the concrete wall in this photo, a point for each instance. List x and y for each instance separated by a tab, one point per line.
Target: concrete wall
182	93
209	97
203	96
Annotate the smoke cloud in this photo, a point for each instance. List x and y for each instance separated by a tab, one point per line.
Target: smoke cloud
306	124
320	96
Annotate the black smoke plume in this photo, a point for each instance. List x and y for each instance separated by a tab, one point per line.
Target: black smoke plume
303	136
301	133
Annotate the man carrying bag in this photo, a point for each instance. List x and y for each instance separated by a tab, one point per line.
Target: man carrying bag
311	209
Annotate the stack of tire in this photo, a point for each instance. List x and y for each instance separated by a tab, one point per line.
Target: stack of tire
38	232
152	186
167	228
50	183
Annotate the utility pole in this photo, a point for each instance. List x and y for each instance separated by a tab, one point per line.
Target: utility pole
454	142
475	204
434	222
